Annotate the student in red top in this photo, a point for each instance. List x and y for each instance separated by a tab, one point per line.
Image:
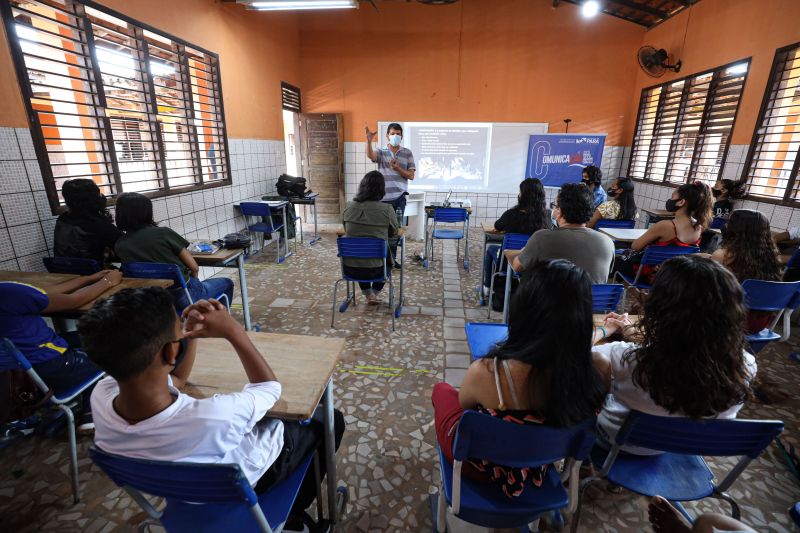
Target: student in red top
691	203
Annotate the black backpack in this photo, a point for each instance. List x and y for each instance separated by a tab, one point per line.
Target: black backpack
291	186
235	240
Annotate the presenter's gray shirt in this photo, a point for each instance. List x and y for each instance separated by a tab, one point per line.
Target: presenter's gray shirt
589	249
396	184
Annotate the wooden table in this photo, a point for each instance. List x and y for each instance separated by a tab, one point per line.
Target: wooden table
654	215
623	234
224	258
46	279
304	366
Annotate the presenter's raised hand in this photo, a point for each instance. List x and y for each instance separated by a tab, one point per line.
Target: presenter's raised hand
370	134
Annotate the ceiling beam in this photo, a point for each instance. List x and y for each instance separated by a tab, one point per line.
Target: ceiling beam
640	7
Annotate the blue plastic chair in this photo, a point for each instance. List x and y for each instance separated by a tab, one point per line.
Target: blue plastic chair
606	297
220	495
610	223
170	271
361	248
481	436
718	223
450	215
778	297
482	337
511	241
794	512
11	358
71	265
653	256
263	211
794	260
680	473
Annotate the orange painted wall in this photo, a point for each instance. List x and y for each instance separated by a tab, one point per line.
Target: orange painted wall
257	51
514	61
719	32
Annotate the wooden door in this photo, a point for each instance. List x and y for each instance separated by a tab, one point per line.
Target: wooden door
323	162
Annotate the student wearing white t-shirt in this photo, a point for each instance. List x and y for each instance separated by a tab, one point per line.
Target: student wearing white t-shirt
136	337
687	355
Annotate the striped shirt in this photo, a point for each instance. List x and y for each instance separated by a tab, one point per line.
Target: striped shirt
396	184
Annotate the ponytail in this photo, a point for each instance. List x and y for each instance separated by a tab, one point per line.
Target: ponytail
699	202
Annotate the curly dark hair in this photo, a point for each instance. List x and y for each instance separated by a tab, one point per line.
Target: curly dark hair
690	358
750	249
550	328
699	201
372	187
532	201
576	203
83	198
594	176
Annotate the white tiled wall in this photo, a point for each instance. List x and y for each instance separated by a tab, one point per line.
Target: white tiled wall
488	206
26	224
781	217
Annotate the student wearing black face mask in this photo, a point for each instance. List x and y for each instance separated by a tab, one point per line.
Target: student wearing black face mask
725	192
592	177
691	204
86	230
620	205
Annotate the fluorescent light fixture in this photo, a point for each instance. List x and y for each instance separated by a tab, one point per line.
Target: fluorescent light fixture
296	5
590	8
741	68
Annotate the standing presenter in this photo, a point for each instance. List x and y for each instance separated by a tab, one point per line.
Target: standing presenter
396	163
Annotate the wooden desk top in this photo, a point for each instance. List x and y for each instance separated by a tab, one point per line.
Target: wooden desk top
661	213
302	364
46	279
223	255
488	227
624	234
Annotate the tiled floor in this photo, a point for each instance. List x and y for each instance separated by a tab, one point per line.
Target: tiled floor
388	457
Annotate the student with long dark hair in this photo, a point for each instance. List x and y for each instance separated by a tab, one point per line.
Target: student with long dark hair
86	230
367	216
725	192
687	355
691	203
542	374
749	252
621	204
527	217
145	241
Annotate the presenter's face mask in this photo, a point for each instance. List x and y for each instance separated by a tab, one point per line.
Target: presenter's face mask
395	139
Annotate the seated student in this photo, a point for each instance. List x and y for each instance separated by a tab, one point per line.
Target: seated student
691	203
140	412
367	216
725	192
621	206
61	364
527	217
146	242
86	229
542	374
687	355
750	253
592	177
573	241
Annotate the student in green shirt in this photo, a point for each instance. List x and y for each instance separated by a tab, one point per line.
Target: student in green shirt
367	216
144	241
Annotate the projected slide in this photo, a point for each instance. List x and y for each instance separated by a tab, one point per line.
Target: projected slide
449	155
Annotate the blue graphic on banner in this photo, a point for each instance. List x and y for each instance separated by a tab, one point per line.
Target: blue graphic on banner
557	159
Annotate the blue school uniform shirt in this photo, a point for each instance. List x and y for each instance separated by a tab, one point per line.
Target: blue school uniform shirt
21	322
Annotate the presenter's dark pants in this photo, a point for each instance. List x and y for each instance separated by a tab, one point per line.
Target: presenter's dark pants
399	206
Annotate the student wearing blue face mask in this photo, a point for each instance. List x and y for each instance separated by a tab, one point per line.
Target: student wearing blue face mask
396	163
